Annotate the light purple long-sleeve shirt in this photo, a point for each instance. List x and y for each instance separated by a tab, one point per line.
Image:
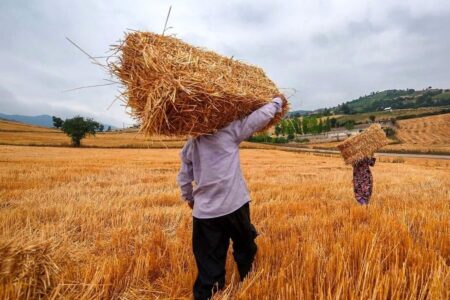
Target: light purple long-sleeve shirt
212	162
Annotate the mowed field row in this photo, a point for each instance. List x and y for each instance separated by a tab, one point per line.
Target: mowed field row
427	134
433	130
109	224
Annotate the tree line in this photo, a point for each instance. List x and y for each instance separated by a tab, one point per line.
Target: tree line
309	125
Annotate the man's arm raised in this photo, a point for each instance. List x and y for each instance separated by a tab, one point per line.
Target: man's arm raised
257	120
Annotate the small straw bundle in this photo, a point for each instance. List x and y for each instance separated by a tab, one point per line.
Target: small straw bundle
363	145
173	88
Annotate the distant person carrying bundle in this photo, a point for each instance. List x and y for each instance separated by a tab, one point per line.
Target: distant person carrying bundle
358	151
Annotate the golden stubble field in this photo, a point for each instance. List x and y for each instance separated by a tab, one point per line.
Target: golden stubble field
425	133
109	224
15	133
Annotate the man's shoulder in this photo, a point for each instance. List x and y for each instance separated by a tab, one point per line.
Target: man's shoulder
187	147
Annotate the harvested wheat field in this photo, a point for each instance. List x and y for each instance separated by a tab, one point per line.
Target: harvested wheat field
427	133
109	224
15	133
19	134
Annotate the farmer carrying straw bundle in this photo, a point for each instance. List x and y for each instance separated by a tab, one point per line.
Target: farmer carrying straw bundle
358	151
176	89
220	200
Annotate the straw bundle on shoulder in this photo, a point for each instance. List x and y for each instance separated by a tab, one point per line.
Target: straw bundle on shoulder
363	145
173	88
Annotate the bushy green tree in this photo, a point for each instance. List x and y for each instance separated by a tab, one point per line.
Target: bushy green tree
305	125
77	128
290	129
333	122
327	126
350	124
320	126
346	109
57	122
297	125
278	129
284	125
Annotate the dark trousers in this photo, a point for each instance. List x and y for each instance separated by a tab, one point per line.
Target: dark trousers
211	238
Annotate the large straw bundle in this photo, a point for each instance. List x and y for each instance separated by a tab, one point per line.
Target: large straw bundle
173	88
364	144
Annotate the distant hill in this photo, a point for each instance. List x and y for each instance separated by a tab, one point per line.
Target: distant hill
41	120
395	99
298	113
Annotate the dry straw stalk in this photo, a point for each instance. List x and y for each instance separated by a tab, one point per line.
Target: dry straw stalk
173	88
27	269
363	145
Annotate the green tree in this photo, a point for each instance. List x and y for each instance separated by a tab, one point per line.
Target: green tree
320	126
101	127
346	109
290	126
350	124
305	125
77	128
278	129
57	122
290	136
313	125
310	124
327	126
296	124
284	126
333	122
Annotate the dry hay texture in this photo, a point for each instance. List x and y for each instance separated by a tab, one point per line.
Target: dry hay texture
174	88
363	145
27	269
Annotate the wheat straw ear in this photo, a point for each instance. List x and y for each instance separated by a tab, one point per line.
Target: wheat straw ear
174	88
363	145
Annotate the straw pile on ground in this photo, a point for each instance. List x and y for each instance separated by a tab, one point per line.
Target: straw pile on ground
27	269
173	88
363	145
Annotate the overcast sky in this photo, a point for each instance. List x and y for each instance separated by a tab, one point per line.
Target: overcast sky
329	51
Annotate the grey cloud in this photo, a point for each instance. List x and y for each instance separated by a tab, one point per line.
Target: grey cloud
330	51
